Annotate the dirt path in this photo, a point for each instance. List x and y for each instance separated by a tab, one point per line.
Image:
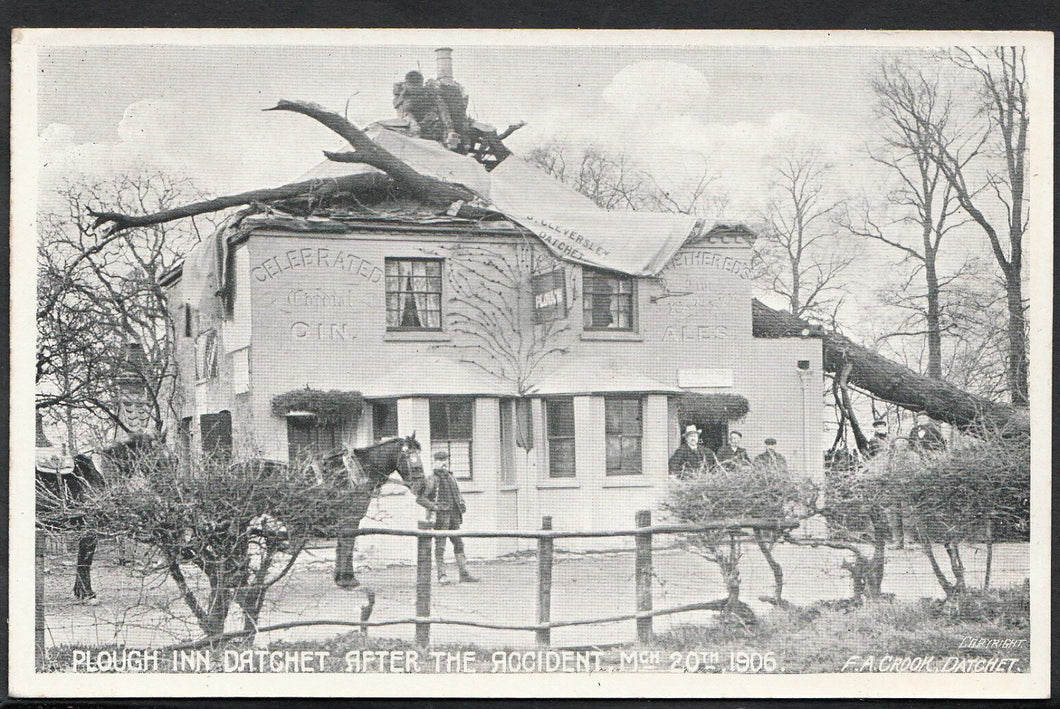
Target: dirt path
144	610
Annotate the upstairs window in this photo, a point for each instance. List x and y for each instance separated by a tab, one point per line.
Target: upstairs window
623	429
608	300
559	415
452	421
413	294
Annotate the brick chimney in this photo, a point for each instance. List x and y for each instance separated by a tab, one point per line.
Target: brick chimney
444	57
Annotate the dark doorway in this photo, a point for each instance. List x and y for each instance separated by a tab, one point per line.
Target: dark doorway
713	436
216	432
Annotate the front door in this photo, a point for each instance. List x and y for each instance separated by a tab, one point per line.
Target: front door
714	434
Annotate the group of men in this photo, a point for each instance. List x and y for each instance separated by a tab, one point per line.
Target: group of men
691	457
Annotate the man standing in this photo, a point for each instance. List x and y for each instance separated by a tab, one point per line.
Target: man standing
442	497
690	457
926	435
879	441
731	454
770	459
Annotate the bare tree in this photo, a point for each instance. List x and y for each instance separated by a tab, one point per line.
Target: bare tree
97	295
985	165
614	181
924	197
796	258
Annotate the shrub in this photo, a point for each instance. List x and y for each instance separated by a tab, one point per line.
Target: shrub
241	525
964	495
731	491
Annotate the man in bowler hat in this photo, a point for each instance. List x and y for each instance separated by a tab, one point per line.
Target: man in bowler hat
442	498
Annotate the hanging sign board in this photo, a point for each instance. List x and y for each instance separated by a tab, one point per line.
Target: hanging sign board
550	295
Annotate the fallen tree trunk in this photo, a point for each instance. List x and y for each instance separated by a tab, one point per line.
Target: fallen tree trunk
316	187
366	152
894	382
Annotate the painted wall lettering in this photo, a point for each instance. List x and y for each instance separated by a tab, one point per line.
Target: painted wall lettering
321	331
695	333
711	259
319	257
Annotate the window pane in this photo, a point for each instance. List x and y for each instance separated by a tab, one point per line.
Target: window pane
460	419
413	289
561	458
560	415
622	416
614	453
439	421
631	454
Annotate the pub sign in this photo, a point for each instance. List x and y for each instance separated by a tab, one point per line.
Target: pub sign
550	295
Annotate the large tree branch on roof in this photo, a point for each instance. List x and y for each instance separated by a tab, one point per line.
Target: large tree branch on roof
368	152
315	187
896	383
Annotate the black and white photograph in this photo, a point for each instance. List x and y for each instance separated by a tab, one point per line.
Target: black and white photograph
511	363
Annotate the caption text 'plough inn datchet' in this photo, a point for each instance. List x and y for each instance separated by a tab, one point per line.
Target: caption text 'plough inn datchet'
555	351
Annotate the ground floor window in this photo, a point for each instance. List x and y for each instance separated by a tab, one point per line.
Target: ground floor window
306	440
216	433
623	429
559	417
452	421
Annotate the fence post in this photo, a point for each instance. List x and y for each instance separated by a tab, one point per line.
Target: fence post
544	583
423	585
642	573
38	625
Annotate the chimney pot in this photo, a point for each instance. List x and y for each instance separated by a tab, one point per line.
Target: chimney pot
444	57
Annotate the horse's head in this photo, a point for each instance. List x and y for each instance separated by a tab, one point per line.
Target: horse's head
410	462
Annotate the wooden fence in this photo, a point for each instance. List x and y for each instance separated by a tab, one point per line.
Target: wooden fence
643	534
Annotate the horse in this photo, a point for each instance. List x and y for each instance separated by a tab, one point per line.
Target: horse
363	472
58	487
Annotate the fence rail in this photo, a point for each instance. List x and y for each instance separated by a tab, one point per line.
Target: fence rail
643	533
423	620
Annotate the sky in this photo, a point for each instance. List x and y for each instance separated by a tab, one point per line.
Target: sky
197	111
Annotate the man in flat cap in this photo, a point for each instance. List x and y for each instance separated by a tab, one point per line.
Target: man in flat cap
770	459
443	499
731	454
690	457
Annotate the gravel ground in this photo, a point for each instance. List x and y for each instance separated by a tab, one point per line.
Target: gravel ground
143	609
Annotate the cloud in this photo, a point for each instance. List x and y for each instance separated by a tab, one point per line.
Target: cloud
657	88
221	148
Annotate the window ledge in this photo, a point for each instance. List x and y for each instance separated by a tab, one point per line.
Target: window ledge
629	483
415	336
612	336
509	488
558	485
